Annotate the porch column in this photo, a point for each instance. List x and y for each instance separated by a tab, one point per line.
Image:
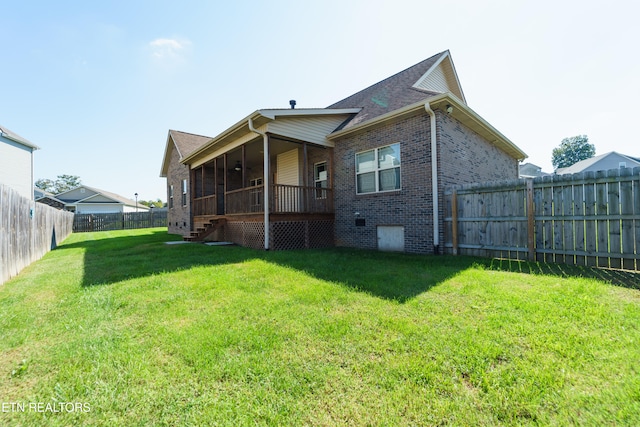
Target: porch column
266	188
244	165
305	178
265	179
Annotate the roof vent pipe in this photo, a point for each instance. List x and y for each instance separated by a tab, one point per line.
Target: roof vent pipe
292	103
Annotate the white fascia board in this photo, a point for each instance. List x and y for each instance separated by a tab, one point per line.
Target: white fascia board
460	108
165	160
229	131
19	140
301	112
87	199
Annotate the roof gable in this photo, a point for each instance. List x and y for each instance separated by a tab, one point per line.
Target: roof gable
426	79
185	143
76	194
86	194
441	77
605	161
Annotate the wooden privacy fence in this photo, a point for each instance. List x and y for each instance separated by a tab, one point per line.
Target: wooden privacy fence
119	221
589	219
28	230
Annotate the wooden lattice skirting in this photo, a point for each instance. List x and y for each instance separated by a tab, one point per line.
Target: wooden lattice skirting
284	235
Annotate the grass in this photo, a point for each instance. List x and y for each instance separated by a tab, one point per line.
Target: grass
144	333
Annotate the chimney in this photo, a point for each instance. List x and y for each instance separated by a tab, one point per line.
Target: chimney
292	103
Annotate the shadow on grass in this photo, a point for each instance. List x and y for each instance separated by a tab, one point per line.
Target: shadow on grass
398	277
110	259
622	278
391	276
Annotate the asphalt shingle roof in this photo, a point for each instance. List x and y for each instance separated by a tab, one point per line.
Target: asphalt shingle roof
187	143
390	94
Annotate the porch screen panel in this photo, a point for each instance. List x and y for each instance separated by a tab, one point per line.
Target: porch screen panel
288	173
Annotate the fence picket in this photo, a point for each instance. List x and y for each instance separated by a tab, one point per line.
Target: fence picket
613	207
558	239
538	209
590	227
636	213
578	198
568	244
626	209
602	223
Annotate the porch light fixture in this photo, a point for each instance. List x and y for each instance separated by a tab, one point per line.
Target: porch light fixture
238	166
449	109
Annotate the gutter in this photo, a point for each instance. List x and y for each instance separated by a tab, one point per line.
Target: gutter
265	180
434	179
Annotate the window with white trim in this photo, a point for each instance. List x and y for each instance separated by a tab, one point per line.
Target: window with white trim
184	192
170	196
321	179
378	170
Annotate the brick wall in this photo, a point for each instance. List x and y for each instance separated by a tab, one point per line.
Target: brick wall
411	206
463	157
178	218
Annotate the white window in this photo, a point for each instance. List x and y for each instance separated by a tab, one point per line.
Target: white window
321	179
378	170
184	192
170	196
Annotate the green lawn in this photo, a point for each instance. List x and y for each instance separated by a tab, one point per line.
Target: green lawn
138	332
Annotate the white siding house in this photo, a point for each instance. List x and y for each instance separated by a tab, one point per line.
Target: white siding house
86	200
16	162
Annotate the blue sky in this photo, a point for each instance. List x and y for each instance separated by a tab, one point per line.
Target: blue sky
97	85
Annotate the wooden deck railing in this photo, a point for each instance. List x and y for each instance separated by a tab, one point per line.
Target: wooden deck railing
283	199
207	205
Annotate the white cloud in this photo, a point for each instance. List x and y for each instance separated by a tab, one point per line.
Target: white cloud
168	48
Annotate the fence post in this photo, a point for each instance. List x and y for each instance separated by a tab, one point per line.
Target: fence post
454	221
531	230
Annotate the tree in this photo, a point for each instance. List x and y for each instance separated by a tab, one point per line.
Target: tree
571	151
60	185
151	203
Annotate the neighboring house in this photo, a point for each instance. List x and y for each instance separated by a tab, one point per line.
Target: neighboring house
16	162
47	198
529	170
368	171
611	160
85	200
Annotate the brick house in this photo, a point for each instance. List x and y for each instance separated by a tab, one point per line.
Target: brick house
359	173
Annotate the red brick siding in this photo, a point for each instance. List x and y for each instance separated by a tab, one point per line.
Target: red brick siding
463	157
178	218
411	206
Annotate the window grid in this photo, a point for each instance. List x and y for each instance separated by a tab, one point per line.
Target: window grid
378	170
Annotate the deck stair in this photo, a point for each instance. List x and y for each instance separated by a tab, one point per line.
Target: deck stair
202	233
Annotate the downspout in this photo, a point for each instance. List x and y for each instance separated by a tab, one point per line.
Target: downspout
434	179
265	180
